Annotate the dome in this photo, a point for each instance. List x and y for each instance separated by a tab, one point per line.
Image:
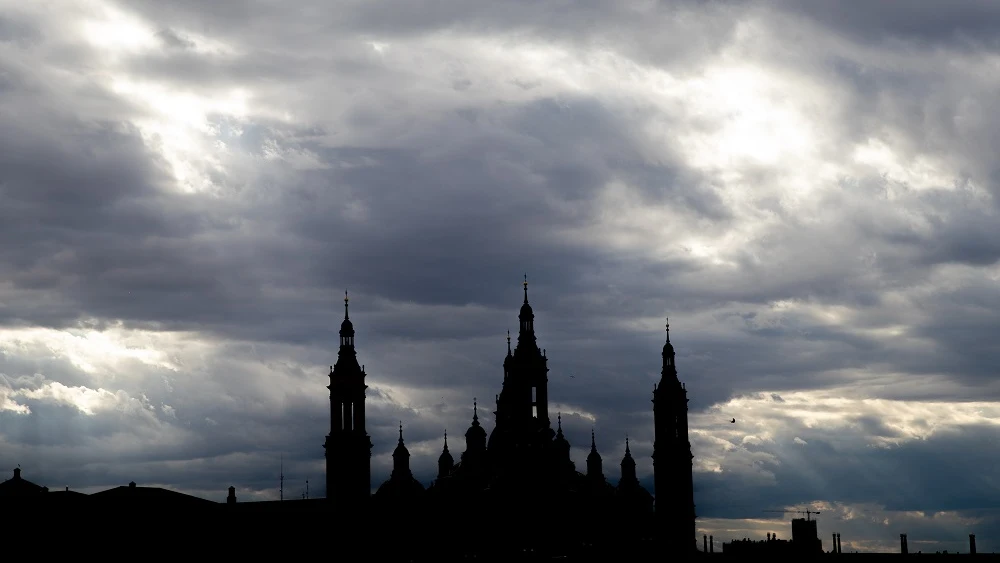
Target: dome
476	431
446	460
400	450
407	486
526	312
594	456
346	327
561	441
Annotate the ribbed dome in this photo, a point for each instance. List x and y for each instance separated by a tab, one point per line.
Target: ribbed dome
476	431
561	441
346	327
445	459
526	312
668	348
594	456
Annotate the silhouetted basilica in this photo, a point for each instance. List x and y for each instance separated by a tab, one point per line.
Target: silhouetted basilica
518	480
511	491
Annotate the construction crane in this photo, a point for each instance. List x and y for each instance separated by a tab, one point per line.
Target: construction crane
806	512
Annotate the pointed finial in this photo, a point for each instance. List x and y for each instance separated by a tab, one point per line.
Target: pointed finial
508	342
446	439
668	329
627	452
475	410
559	418
593	441
400	431
525	288
345	305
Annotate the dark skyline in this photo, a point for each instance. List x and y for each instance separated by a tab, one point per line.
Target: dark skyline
805	188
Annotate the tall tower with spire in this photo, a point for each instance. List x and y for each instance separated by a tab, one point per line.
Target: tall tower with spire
522	415
348	446
673	463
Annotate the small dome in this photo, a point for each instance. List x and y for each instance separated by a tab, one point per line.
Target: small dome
476	434
475	431
561	440
347	328
526	312
400	450
594	456
668	348
446	458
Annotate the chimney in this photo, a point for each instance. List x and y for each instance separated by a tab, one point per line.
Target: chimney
838	543
902	544
705	543
231	499
131	484
711	544
972	544
17	473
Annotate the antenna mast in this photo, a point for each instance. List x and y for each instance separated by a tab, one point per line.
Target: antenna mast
307	488
281	488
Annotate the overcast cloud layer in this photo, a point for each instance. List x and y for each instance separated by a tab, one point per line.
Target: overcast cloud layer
806	188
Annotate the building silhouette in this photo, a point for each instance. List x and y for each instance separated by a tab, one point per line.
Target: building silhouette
523	465
511	493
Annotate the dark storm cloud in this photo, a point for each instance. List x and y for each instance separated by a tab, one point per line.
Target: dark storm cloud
964	23
928	475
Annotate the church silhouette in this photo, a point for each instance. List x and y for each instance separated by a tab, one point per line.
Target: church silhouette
513	492
519	479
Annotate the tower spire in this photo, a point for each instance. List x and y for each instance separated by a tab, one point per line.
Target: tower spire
508	342
525	288
668	329
593	441
400	432
475	411
346	316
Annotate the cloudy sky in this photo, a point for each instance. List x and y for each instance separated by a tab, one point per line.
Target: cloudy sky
805	187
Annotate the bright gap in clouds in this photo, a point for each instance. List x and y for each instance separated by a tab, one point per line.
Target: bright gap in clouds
116	31
834	415
178	125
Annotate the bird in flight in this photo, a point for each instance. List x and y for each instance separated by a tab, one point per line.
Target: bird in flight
733	421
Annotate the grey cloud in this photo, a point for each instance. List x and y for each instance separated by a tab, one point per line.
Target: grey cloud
924	21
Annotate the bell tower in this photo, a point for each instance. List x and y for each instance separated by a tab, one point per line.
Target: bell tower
522	415
348	446
673	463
